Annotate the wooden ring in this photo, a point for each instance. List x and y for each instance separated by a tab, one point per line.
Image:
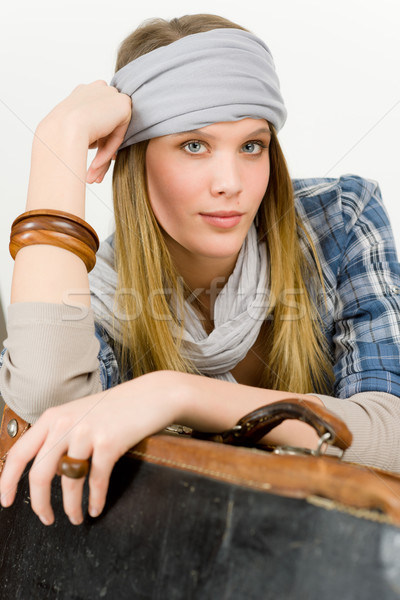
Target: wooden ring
74	468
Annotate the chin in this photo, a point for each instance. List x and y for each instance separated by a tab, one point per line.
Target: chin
219	251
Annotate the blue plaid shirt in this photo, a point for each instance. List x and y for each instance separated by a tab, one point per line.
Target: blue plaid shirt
350	228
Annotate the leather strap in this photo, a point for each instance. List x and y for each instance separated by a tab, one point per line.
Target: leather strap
11	429
255	425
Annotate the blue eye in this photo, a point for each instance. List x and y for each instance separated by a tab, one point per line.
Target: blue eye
194	147
252	145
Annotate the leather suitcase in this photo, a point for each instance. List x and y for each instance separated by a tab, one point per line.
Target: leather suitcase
190	518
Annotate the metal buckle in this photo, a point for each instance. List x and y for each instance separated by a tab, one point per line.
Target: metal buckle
293	450
178	429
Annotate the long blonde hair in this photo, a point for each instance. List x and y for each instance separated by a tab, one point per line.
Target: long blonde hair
150	290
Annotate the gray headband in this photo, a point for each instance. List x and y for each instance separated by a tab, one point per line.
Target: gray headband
219	75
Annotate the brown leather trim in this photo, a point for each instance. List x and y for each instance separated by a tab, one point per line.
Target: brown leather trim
6	440
349	484
251	428
263	420
294	476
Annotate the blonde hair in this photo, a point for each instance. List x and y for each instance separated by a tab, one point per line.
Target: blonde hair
150	290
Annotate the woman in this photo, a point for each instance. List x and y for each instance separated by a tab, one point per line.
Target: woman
220	266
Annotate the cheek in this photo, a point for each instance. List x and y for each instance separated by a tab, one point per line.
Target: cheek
168	184
169	193
257	179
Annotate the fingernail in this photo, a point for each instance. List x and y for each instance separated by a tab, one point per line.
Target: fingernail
44	520
94	512
75	520
4	501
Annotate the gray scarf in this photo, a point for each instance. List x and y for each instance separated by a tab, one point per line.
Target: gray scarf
239	309
204	78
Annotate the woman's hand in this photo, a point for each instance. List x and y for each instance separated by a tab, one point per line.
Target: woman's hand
105	425
101	427
101	112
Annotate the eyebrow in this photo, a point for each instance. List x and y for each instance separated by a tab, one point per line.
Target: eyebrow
208	135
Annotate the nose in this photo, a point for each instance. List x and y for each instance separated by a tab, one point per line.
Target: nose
225	176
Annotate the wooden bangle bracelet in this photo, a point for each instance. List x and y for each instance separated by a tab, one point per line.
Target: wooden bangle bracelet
59	218
53	238
53	224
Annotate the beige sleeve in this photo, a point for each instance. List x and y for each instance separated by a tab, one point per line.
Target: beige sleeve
51	357
374	420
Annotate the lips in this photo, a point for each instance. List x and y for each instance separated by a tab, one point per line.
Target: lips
222	219
223	214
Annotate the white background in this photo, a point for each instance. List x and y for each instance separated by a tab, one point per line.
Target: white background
338	63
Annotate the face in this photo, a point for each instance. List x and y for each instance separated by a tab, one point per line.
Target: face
205	186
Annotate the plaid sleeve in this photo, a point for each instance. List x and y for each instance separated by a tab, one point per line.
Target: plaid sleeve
109	370
2	357
1	362
367	305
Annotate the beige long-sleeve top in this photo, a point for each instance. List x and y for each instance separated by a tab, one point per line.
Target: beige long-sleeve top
64	333
50	358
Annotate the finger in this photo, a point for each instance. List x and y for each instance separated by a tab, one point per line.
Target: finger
18	457
99	166
106	152
72	498
102	465
41	475
108	146
72	488
98	175
93	172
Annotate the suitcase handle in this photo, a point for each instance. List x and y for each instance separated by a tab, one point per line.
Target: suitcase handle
255	425
248	431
